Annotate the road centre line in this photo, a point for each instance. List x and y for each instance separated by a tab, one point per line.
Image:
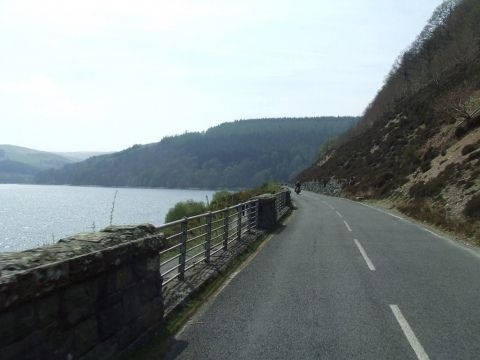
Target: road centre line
340	215
409	334
330	206
348	226
364	254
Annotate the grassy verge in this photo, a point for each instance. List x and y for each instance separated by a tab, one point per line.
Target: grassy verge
158	348
466	230
435	218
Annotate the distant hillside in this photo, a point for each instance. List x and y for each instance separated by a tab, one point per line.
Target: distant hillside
76	156
418	143
19	164
238	154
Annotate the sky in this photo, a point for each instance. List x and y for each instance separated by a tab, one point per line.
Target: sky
103	75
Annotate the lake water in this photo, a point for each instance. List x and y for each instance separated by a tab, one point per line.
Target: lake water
33	215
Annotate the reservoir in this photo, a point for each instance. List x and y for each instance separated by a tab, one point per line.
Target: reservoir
35	215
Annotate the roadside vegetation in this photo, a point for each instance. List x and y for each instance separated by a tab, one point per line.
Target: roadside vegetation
220	200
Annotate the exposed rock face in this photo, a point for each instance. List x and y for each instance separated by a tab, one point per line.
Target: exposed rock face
332	187
90	296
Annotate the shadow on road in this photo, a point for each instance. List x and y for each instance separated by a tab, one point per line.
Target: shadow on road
278	229
176	348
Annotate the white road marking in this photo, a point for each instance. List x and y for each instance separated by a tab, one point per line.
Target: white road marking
330	206
340	215
409	334
364	254
431	232
379	210
405	220
348	226
458	244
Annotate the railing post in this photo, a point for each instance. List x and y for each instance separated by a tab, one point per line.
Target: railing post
239	222
208	237
249	216
226	214
257	205
277	207
183	249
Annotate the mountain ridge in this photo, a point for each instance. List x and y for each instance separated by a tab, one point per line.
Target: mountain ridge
235	154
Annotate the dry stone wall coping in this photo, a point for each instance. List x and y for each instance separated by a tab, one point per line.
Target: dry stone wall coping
33	273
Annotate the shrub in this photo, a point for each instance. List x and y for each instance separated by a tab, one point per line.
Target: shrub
467	149
427	158
429	189
185	208
450	171
221	195
472	208
473	156
222	199
382	179
270	187
460	132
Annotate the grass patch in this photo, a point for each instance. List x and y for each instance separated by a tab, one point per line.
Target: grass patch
429	189
436	215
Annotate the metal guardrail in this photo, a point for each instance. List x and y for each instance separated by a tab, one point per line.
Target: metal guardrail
280	204
194	240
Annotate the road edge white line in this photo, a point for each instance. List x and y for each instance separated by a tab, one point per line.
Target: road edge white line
450	239
340	215
409	334
348	226
364	254
405	220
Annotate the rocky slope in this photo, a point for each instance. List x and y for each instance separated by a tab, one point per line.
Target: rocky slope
418	143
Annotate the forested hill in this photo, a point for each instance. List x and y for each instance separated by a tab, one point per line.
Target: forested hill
418	143
237	154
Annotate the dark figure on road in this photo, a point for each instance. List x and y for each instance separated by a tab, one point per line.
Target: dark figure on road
298	187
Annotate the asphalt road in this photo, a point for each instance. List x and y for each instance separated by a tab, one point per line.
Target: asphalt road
344	281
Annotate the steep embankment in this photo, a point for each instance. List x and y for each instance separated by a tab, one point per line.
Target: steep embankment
238	154
19	164
418	143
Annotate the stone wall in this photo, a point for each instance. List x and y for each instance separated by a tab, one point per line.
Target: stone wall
90	296
99	295
332	187
269	211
